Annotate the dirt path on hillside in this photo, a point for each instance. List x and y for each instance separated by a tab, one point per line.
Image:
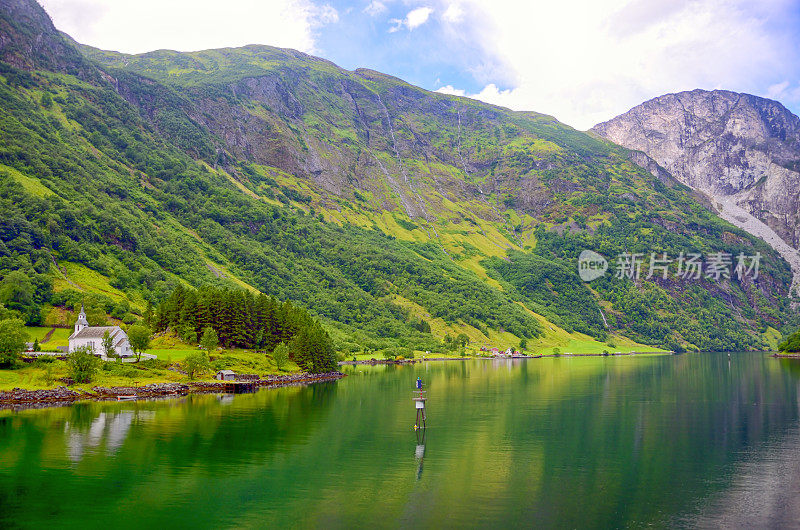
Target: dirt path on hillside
47	337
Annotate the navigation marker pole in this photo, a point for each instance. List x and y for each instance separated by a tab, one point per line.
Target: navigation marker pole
420	396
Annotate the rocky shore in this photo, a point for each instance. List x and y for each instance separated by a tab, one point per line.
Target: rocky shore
20	398
373	362
615	354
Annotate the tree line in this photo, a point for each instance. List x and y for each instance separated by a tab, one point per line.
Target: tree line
241	319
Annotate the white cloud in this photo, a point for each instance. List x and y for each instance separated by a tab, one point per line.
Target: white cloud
418	17
784	91
375	8
453	14
585	61
453	91
322	15
414	19
187	25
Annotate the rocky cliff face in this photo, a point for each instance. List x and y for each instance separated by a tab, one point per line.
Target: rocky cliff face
362	131
739	147
741	150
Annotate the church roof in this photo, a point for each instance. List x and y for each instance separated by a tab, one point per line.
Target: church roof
97	332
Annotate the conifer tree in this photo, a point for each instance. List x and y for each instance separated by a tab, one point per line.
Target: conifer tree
149	316
237	318
203	317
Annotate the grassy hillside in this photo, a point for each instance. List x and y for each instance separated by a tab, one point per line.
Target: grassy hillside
372	203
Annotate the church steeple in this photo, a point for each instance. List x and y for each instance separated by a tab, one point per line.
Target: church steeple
82	322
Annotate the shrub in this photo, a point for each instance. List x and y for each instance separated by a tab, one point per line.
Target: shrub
139	337
223	362
12	340
791	344
43	360
107	343
209	340
82	364
48	376
280	355
196	363
155	364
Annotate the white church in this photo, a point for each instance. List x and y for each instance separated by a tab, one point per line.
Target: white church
92	336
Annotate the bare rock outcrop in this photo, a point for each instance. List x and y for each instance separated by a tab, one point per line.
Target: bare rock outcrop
742	151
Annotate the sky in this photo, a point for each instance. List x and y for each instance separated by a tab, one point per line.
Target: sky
582	61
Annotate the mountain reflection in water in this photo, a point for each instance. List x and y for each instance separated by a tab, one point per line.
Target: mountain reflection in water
691	440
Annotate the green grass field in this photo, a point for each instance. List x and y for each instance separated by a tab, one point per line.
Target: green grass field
41	375
584	344
172	355
60	336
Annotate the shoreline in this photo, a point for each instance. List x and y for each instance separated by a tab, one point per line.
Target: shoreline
375	362
615	354
18	398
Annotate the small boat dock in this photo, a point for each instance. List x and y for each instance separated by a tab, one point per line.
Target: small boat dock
240	387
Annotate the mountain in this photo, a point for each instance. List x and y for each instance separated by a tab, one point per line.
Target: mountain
398	216
741	150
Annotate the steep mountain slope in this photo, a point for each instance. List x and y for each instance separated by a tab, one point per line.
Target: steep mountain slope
741	150
374	203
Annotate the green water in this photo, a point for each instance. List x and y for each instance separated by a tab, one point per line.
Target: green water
571	442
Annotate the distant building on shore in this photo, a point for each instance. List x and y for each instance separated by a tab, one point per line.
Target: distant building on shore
92	336
226	375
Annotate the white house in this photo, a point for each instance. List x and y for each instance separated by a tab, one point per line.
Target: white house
92	336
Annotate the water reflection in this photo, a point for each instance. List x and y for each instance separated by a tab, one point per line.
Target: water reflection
608	442
111	428
762	491
419	452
